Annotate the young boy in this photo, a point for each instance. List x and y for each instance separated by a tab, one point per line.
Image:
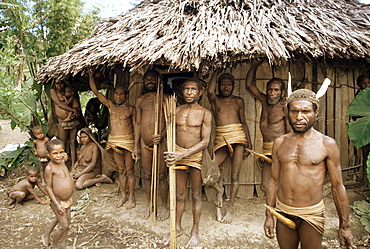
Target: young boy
60	187
40	149
24	190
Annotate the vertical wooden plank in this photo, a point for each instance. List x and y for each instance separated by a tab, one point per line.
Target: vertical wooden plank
330	106
343	78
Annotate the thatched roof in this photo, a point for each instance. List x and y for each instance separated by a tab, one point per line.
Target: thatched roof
187	34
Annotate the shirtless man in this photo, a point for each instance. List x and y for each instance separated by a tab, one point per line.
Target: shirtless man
193	130
231	125
300	160
145	138
273	122
120	139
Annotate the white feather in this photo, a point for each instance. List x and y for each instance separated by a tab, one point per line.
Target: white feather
289	84
321	92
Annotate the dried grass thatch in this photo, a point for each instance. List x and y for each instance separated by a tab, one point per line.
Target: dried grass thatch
189	34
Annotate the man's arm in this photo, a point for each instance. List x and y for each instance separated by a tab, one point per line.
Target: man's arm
271	191
94	89
288	128
338	191
211	90
244	122
137	127
250	79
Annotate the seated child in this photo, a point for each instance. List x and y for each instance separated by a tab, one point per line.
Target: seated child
70	99
40	149
60	187
24	190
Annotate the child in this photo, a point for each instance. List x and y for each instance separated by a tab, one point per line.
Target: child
70	99
24	189
40	149
60	187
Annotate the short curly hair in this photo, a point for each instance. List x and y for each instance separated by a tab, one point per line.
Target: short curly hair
304	94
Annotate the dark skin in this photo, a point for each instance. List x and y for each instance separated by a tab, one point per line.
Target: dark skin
89	158
122	117
63	111
60	187
228	109
40	150
301	160
144	136
273	122
24	190
193	130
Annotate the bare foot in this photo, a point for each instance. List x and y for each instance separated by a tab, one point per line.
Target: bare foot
11	201
45	240
105	179
193	241
219	201
228	218
131	204
145	213
218	214
164	214
121	201
166	239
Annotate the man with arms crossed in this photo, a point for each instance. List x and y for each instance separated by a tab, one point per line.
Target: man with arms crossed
300	160
120	139
193	130
231	126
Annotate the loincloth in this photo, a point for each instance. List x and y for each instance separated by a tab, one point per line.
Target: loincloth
66	204
194	160
233	133
267	148
69	125
314	215
42	159
120	141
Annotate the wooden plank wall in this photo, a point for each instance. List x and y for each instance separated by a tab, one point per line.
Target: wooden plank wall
331	120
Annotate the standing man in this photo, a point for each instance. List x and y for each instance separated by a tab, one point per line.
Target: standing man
145	139
120	139
273	122
231	126
193	130
300	160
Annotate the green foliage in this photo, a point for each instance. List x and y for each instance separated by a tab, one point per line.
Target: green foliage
359	131
21	156
362	211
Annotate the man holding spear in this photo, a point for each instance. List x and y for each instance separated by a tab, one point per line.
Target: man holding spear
193	130
300	161
232	135
148	122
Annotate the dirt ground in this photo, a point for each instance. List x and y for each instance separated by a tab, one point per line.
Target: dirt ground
97	223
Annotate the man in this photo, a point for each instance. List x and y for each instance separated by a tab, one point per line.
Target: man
145	139
120	139
231	126
273	122
300	160
193	130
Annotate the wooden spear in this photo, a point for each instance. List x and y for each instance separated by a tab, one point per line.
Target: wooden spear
170	115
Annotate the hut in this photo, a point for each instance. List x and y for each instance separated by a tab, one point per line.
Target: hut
312	39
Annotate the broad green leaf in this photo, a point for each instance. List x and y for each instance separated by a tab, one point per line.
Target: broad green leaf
360	104
365	220
359	131
368	168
